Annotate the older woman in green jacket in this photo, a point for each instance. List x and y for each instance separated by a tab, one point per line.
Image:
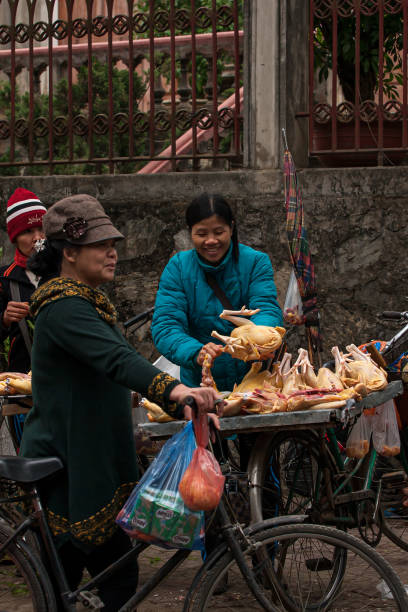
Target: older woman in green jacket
83	371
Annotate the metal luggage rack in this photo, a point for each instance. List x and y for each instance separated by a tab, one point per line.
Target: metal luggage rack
302	419
9	408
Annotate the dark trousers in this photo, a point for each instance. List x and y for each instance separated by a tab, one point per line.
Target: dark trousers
117	589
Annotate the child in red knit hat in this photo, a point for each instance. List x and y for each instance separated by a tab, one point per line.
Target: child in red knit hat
24	227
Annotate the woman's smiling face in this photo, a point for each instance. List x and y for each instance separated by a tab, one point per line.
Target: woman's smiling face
211	238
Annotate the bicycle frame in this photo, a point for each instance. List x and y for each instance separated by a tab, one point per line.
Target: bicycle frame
37	522
364	468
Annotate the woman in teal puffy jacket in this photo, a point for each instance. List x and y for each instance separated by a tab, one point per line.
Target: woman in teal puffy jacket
187	309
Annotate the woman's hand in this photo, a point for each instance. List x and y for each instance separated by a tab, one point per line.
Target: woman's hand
212	349
405	498
205	397
14	312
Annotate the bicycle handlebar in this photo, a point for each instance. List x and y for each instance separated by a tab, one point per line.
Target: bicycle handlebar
392	314
190	401
138	318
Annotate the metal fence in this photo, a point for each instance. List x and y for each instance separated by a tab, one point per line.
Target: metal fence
358	81
120	85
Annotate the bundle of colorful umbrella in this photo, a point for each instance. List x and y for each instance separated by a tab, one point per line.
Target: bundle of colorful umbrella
296	387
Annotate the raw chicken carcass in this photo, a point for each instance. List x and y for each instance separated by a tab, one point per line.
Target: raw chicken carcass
265	401
207	379
327	379
357	369
242	393
306	399
248	341
276	376
343	372
306	369
154	412
294	380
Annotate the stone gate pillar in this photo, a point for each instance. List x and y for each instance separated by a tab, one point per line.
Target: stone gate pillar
275	81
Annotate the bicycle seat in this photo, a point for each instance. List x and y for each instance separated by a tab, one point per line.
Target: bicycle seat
22	469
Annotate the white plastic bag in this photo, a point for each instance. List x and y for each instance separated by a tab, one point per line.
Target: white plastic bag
358	442
386	438
292	309
167	366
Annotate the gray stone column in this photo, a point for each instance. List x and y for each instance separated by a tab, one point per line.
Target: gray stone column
294	77
275	81
261	83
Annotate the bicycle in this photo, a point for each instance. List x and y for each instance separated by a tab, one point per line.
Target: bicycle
307	471
280	564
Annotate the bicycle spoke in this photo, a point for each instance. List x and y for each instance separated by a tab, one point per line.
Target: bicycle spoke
303	568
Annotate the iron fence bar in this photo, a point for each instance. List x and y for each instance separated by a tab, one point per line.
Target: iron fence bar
31	9
203	41
381	82
90	81
365	150
357	95
311	72
193	83
173	84
50	9
102	160
237	113
110	83
334	79
70	6
214	78
13	9
404	76
131	147
151	77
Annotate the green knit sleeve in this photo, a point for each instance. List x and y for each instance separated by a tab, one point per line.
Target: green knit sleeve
74	325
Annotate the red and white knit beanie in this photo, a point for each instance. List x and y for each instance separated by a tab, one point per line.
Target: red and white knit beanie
24	211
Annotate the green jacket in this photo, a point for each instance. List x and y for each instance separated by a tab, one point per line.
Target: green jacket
83	370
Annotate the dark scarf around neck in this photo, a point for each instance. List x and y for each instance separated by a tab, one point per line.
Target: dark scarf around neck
61	287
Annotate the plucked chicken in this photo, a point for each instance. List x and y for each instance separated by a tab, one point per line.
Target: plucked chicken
249	341
357	369
244	393
154	412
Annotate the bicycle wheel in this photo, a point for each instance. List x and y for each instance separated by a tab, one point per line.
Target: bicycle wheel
285	474
24	583
303	580
393	514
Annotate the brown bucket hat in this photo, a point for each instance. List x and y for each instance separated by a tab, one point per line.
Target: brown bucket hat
79	219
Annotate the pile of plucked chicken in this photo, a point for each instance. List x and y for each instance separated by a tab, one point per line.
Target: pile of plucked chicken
288	386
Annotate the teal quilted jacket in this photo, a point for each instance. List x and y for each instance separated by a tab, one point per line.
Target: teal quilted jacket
187	310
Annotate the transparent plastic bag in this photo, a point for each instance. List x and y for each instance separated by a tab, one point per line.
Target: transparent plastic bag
292	309
358	442
155	511
203	483
386	438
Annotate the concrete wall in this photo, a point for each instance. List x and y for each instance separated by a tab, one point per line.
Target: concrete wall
357	222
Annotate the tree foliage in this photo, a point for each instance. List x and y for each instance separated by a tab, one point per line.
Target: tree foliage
369	53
